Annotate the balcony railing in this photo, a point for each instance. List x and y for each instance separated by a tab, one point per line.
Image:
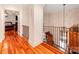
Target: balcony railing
60	36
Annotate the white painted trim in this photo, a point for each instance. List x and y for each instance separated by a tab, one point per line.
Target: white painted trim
20	31
3	26
34	44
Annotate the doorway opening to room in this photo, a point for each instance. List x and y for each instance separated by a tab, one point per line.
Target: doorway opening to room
11	20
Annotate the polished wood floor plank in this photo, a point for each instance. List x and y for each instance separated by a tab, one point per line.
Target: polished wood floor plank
53	49
4	47
14	44
0	47
44	50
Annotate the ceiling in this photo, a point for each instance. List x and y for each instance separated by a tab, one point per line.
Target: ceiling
52	8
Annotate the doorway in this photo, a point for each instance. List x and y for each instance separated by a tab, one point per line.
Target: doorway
11	20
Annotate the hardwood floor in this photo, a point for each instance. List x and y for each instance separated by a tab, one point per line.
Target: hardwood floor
14	44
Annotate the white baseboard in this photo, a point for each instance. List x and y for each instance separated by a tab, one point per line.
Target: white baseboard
35	43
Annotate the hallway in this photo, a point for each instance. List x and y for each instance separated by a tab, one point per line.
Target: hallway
14	44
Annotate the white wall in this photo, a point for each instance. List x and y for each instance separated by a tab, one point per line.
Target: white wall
10	18
36	25
25	16
1	24
31	26
56	18
72	17
2	29
38	22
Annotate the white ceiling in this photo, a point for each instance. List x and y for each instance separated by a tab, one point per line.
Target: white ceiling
52	8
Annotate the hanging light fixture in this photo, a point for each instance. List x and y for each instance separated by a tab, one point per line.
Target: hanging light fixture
64	16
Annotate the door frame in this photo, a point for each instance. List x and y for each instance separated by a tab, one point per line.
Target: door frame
19	22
